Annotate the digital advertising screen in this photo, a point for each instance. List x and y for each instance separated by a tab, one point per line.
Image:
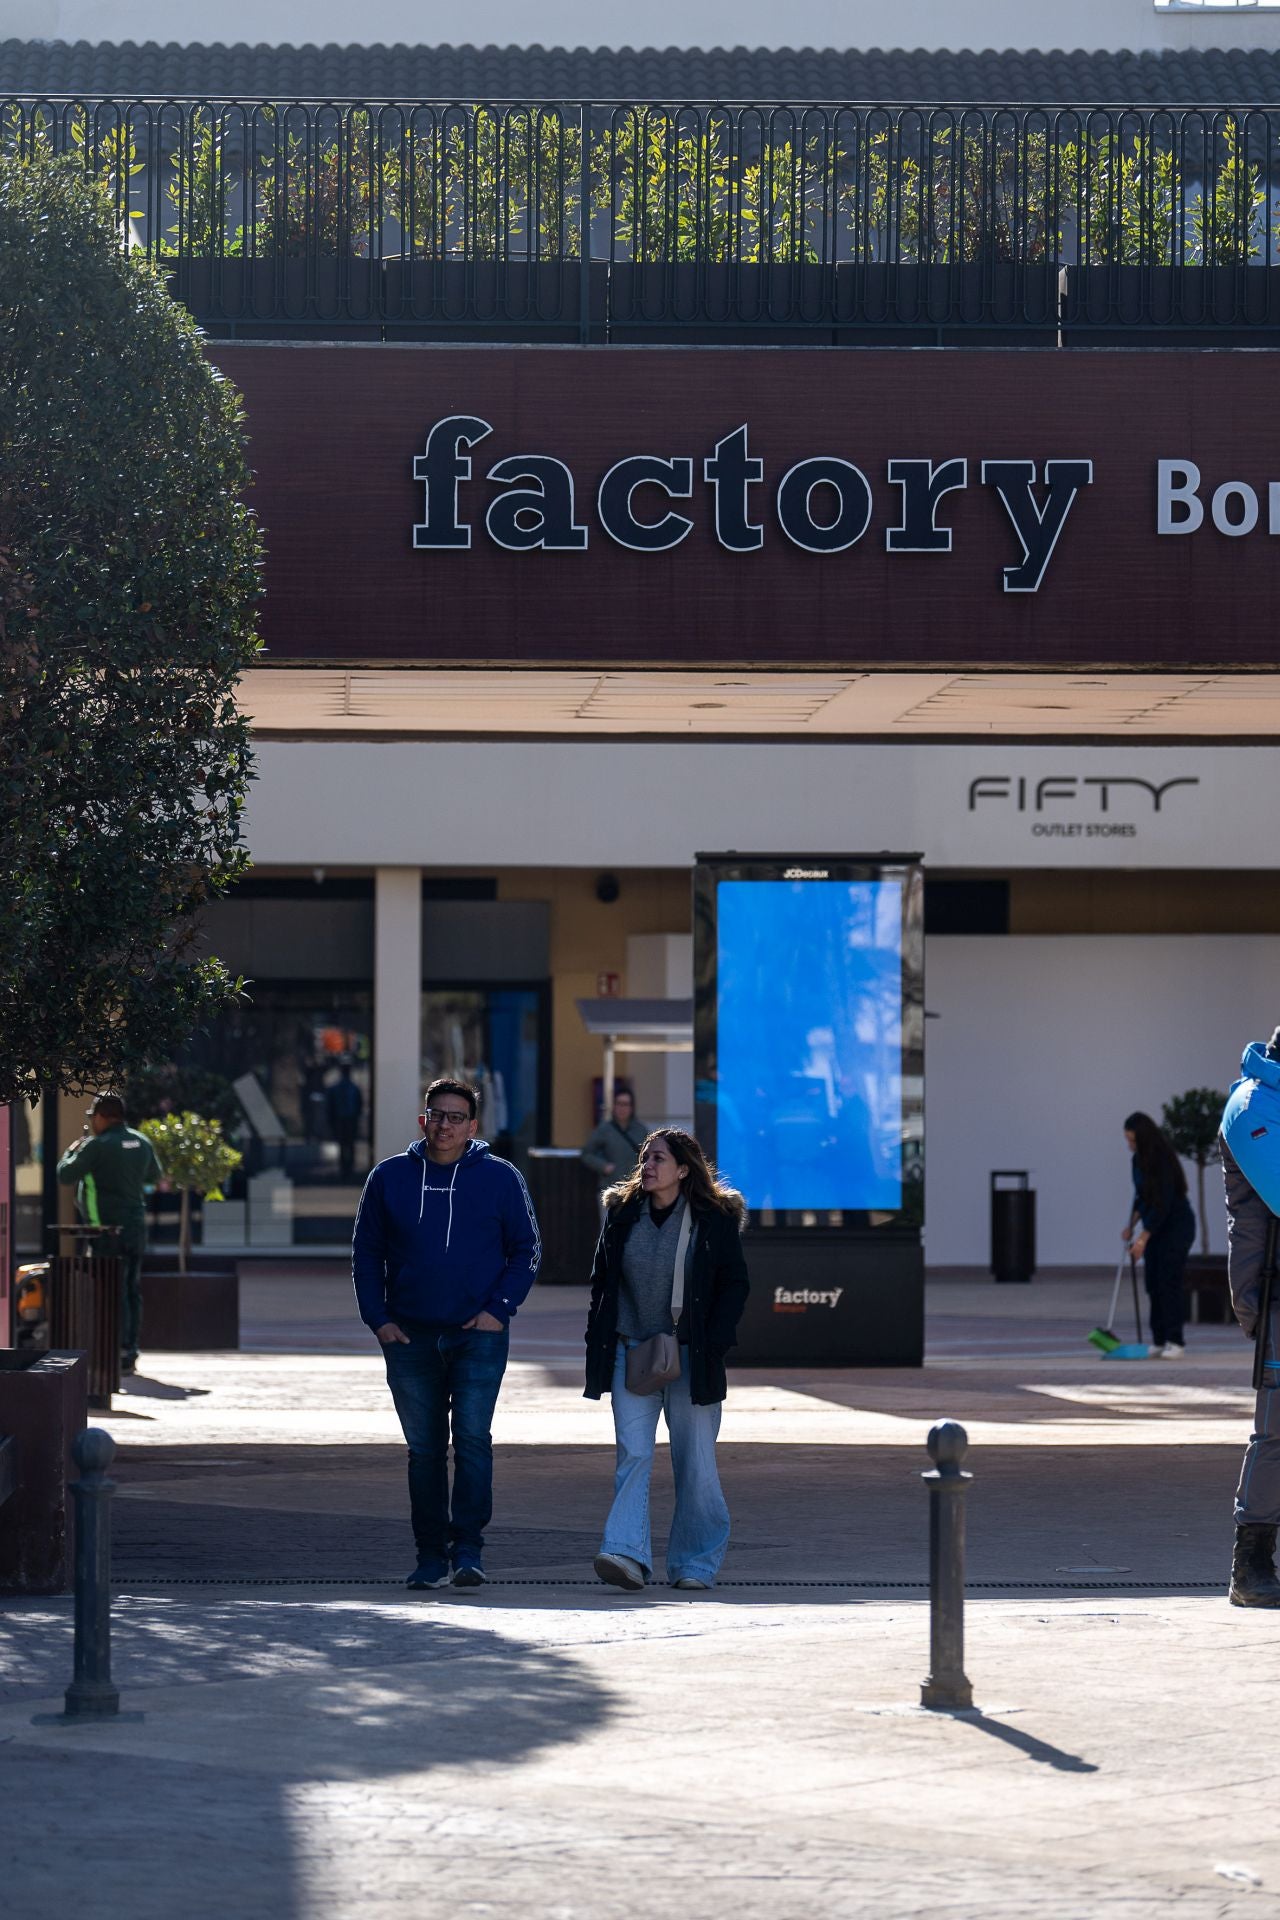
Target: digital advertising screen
808	1035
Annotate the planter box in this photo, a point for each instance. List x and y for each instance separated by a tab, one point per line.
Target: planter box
43	1402
510	298
1207	297
279	290
196	1312
1208	1297
420	294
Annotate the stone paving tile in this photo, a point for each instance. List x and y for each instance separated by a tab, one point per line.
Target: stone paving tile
314	1758
351	1753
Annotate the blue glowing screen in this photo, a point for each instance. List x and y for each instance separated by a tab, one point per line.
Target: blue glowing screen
809	1042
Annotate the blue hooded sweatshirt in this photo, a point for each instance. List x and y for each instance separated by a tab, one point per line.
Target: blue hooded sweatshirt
1251	1123
442	1244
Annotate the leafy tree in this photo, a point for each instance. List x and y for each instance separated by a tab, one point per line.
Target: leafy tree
128	584
153	1092
195	1157
1191	1122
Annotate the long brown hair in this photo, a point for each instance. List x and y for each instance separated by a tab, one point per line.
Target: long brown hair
1155	1156
706	1191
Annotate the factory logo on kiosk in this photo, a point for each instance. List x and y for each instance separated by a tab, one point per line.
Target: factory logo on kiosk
800	1299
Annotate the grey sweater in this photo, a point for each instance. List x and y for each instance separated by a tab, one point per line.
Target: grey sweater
648	1275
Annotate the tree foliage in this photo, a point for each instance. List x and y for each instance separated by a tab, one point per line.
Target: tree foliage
128	584
171	1087
1190	1122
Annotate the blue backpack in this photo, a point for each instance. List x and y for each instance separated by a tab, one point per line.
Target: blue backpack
1251	1123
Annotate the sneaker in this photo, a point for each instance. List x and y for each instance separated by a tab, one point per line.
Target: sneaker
617	1570
428	1573
128	1365
468	1576
689	1585
1169	1351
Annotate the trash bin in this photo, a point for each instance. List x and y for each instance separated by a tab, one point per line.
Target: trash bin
566	1200
42	1408
1013	1226
84	1306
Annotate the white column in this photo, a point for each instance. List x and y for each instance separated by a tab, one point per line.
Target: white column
397	1008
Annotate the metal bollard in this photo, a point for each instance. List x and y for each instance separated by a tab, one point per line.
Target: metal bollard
91	1695
947	1685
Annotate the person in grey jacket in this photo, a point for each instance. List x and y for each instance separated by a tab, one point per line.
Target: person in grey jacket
614	1147
1257	1508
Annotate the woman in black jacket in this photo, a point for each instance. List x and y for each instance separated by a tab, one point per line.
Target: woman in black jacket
1168	1230
672	1196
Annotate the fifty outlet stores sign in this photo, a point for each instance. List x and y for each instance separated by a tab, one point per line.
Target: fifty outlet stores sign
822	507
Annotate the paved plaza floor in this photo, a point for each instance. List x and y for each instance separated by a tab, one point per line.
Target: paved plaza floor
317	1744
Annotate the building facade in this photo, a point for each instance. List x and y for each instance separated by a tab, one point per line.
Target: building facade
640	480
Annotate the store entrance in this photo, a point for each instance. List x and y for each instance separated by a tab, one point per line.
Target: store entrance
498	1039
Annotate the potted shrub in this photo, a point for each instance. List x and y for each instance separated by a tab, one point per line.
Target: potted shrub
196	1158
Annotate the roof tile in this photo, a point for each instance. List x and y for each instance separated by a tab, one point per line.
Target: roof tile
1212	76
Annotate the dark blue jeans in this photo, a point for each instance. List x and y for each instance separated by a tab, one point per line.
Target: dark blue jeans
1165	1266
446	1382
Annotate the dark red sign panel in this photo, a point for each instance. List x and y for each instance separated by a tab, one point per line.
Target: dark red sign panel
817	507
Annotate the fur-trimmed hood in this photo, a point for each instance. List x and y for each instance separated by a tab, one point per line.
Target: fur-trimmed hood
732	1202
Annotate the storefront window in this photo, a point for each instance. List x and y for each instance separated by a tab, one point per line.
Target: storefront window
289	1074
494	1037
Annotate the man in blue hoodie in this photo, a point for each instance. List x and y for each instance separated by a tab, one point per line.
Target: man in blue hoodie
445	1248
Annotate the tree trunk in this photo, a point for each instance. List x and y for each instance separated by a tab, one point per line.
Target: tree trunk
1204	1218
184	1230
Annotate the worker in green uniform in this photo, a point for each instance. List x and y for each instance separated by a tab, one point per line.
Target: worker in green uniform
113	1169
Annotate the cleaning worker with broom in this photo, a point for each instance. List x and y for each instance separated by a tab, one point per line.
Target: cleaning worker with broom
1250	1144
1161	1230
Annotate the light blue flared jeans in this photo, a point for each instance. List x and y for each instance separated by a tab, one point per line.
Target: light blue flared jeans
700	1524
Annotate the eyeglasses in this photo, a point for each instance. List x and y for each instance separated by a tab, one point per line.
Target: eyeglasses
444	1118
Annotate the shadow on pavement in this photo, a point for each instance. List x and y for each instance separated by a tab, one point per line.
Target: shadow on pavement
1027	1743
245	1701
138	1383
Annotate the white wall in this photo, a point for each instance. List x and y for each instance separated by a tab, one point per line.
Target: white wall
1025	24
660	967
1045	1044
524	803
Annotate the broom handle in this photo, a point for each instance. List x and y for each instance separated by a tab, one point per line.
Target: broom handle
1264	1314
1115	1296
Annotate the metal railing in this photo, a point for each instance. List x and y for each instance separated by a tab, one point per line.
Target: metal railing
622	220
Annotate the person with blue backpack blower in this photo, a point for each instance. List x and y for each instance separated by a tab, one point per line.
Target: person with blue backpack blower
1250	1145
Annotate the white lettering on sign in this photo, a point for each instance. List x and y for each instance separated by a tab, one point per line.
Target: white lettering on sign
806	1297
822	504
1235	506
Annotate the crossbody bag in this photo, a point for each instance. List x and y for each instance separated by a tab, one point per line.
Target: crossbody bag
656	1361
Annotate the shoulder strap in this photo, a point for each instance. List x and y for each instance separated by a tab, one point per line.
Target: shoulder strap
682	1247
